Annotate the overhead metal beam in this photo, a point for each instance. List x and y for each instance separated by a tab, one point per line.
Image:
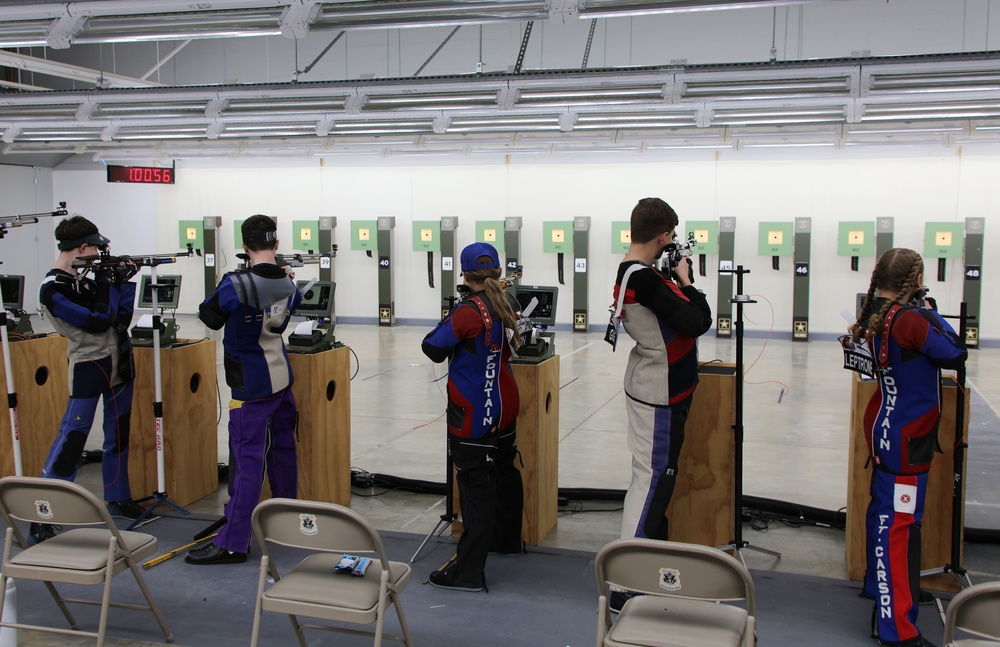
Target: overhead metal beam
326	49
590	41
297	17
99	78
826	103
20	86
436	51
160	63
104	21
524	46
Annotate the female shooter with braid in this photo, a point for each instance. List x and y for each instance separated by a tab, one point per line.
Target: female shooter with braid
910	346
483	404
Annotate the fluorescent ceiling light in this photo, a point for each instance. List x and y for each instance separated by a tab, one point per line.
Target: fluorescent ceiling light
906	131
791	145
667	147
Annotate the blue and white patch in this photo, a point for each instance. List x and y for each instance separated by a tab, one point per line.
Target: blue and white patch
307	524
670	579
43	509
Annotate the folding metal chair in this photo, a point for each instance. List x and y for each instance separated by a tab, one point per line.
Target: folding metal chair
312	588
974	611
688	591
81	555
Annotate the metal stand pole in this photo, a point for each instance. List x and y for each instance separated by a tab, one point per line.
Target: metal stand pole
738	543
448	517
160	495
15	433
954	567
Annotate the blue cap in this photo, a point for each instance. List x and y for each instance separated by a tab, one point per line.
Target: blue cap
474	251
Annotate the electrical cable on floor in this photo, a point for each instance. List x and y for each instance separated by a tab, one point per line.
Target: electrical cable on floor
576	507
218	395
356	361
758	511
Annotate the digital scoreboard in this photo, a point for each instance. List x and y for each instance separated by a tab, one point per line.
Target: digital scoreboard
141	174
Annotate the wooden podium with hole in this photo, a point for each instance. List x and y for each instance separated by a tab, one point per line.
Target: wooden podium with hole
538	443
322	390
190	433
39	368
935	532
701	509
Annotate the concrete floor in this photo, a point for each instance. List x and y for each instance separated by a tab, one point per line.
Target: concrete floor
795	443
796	446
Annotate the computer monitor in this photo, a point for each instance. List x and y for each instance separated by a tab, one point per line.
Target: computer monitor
12	286
317	301
168	295
544	313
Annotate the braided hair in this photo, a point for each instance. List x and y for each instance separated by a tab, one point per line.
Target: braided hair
897	269
495	292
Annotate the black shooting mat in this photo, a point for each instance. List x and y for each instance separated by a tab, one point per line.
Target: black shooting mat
547	597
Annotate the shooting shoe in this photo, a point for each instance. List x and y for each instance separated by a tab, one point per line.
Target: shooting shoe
39	532
617	599
444	580
213	554
919	641
127	509
518	549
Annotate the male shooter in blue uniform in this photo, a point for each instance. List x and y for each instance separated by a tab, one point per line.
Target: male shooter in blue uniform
93	315
254	305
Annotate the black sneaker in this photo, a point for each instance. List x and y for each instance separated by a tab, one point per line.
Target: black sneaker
127	509
919	641
617	599
443	580
39	532
213	554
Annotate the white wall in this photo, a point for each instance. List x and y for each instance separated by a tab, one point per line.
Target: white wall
27	190
912	187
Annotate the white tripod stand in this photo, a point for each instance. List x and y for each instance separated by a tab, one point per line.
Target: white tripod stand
160	495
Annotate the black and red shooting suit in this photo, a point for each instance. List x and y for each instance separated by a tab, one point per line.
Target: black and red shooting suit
483	404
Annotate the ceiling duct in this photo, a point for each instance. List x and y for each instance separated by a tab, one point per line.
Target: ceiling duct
608	8
638	108
28	23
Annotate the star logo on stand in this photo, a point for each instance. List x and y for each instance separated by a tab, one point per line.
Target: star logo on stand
581	320
723	324
971	334
801	328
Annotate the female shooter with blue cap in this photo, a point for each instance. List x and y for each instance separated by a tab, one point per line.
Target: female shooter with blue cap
478	337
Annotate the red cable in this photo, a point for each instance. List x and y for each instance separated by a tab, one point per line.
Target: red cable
766	340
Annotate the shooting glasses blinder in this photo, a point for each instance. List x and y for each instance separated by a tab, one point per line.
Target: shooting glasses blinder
95	239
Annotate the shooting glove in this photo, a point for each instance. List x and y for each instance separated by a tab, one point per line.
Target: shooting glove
124	272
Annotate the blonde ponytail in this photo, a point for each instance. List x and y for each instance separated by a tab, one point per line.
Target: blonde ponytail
498	297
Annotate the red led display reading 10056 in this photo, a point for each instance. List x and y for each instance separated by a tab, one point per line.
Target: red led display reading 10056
141	174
